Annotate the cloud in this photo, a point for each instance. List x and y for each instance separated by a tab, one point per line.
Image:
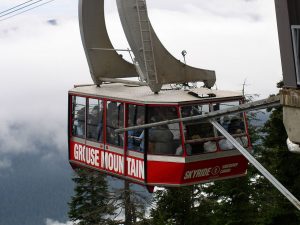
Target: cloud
39	64
242	9
5	164
219	35
32	190
54	222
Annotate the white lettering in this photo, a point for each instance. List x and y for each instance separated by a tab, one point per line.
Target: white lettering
86	154
96	157
80	157
230	165
141	169
188	175
129	166
197	173
76	151
102	160
92	156
121	164
112	162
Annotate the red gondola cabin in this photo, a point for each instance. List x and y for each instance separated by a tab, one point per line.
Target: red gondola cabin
172	155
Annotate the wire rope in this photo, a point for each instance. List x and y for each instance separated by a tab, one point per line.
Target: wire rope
16	6
26	6
26	10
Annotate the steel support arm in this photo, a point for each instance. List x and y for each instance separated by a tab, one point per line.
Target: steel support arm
257	165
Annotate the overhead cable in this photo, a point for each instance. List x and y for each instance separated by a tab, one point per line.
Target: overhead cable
15	7
26	6
26	10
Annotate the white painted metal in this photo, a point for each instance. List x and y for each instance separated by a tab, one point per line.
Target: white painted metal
116	80
168	68
145	32
96	43
142	94
258	166
290	100
294	148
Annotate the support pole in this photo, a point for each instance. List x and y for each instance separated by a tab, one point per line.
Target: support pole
257	165
127	202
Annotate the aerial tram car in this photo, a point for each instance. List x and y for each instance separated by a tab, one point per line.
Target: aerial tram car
170	155
149	132
176	154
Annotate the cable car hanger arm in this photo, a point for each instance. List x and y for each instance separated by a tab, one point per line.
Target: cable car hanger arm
257	165
260	104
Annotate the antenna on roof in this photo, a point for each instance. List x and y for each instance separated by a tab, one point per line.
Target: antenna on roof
183	53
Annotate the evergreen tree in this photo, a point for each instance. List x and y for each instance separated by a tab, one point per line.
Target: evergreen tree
92	203
234	201
230	202
132	203
285	166
180	206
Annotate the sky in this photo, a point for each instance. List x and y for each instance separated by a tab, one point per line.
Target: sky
41	58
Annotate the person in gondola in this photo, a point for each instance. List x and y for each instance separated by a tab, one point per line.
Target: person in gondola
80	128
234	126
111	136
161	140
95	124
136	137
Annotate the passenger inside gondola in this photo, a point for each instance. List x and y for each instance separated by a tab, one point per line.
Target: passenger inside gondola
199	135
95	120
136	117
235	126
78	116
136	137
161	138
114	120
80	122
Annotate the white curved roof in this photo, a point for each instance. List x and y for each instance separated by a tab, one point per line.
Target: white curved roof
142	94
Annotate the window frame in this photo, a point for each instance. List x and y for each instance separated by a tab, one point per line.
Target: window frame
216	138
101	101
127	115
176	106
72	115
296	50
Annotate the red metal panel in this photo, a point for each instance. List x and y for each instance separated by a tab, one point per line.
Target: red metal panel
214	169
164	172
111	162
173	173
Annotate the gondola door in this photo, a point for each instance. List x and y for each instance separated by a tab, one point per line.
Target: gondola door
113	160
135	143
